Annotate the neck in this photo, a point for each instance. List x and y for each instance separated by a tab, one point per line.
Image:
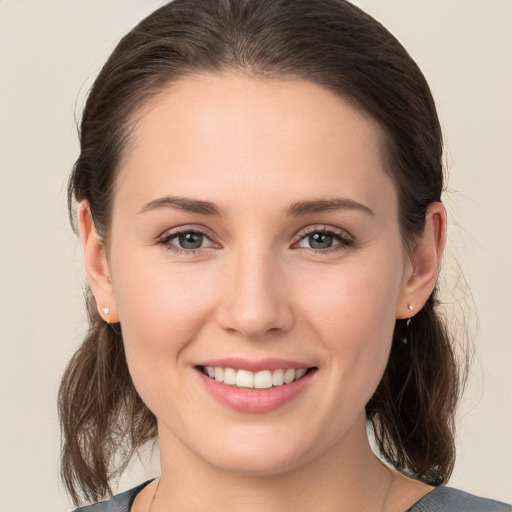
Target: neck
348	474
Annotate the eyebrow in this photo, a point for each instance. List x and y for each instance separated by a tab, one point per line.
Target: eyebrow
326	205
295	210
183	203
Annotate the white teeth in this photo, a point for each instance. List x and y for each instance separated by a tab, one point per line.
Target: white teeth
300	373
263	380
244	379
219	374
229	376
289	376
259	380
278	377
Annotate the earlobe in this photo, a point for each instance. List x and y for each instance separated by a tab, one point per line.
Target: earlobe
96	265
425	262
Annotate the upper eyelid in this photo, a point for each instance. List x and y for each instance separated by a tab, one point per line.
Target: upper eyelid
323	229
172	232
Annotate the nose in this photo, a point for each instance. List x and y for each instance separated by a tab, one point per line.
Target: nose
255	304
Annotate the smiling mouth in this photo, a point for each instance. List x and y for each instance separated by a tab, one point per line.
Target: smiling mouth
265	379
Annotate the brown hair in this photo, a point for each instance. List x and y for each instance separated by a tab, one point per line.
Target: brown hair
331	43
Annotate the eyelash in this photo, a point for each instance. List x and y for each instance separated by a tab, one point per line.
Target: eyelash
344	240
166	239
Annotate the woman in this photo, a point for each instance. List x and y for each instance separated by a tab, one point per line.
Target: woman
258	194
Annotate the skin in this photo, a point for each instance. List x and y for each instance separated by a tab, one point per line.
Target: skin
256	289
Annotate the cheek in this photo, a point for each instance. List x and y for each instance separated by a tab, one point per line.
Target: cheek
160	310
160	313
357	300
356	315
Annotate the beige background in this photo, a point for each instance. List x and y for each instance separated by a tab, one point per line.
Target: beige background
50	51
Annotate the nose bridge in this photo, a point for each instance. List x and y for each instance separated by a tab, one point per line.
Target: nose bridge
256	303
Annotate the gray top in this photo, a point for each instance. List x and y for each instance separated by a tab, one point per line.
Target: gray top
447	499
441	499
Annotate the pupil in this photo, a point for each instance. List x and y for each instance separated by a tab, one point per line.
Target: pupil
320	241
191	240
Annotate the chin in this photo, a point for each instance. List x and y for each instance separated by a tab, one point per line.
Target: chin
253	453
256	465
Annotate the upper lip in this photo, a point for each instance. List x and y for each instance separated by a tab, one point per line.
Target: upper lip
255	365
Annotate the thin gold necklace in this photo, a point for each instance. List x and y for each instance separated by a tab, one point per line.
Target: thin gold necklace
154	495
388	490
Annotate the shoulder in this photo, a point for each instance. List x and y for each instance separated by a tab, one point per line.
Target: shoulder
447	499
118	503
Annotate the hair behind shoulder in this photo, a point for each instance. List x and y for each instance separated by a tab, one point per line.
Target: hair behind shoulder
338	46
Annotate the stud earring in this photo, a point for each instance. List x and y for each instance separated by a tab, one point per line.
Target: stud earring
410	307
106	311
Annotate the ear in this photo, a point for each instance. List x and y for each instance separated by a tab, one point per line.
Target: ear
96	265
423	268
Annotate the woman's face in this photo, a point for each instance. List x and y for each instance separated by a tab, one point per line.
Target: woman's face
255	230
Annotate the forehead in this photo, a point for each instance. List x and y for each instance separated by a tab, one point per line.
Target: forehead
251	134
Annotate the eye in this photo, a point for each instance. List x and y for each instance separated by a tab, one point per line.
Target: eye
186	240
319	241
324	240
189	240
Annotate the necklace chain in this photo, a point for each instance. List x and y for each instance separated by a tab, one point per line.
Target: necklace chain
154	495
388	490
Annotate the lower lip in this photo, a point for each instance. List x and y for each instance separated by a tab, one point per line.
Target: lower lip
250	400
